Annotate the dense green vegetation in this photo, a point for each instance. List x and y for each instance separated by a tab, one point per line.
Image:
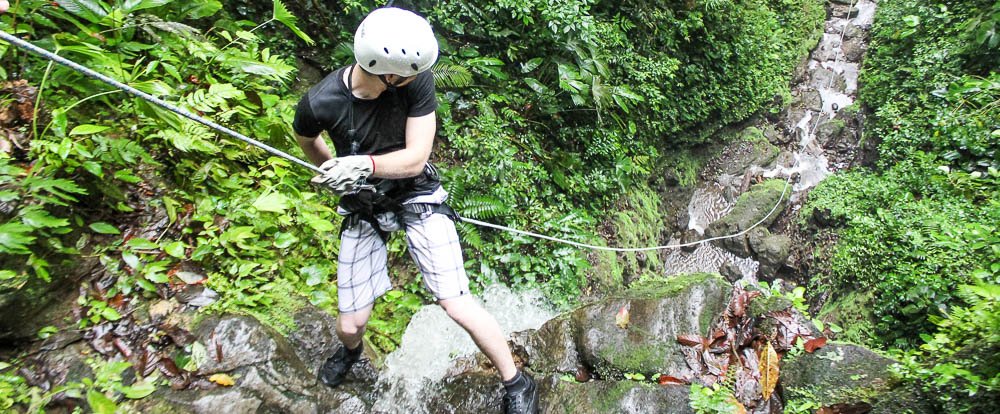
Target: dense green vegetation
921	230
553	112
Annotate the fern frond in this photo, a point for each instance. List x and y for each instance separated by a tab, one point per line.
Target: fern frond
484	207
470	236
450	75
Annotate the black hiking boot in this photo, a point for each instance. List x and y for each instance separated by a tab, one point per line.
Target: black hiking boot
334	370
522	395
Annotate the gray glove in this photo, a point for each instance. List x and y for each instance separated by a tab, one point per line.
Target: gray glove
346	175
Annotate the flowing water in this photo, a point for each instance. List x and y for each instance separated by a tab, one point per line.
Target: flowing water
837	89
432	342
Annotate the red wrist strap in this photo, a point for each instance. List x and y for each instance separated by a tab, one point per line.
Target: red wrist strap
373	163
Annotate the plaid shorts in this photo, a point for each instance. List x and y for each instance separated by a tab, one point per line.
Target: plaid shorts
362	275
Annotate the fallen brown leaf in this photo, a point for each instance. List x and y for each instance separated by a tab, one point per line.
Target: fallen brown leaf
816	343
667	379
689	339
621	318
768	370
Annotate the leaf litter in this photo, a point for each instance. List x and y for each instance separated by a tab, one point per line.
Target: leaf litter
740	346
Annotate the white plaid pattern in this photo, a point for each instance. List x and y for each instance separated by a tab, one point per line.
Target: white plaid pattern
362	275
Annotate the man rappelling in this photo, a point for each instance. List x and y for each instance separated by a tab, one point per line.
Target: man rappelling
379	113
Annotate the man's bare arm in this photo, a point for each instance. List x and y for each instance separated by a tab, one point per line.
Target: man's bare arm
409	162
315	148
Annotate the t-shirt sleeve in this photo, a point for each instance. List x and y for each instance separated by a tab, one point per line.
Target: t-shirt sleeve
423	99
305	123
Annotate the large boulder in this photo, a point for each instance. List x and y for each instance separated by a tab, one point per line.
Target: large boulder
595	397
268	369
659	311
771	250
839	374
751	207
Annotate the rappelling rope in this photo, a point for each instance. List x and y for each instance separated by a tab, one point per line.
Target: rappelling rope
226	131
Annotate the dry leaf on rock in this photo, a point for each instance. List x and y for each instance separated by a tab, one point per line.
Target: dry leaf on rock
689	340
621	318
768	370
667	379
816	343
222	379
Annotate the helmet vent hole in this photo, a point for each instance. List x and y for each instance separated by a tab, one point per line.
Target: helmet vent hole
418	53
386	50
372	63
404	51
414	66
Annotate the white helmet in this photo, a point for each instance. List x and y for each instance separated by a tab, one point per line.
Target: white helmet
393	41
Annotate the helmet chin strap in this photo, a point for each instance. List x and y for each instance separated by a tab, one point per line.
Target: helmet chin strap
388	86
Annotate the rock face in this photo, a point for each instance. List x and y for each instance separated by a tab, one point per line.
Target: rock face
751	207
272	373
839	374
595	397
659	312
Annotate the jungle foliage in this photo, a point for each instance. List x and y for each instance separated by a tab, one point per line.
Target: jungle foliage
921	230
551	112
545	122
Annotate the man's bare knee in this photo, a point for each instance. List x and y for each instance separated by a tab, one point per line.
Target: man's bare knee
351	325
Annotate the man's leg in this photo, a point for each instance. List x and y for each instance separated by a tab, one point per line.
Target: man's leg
351	326
361	278
434	245
484	330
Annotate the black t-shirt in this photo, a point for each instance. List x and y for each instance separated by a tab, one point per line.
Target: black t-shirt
379	124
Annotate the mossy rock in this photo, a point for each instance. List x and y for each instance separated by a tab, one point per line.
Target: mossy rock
839	373
636	222
659	311
594	397
751	207
852	312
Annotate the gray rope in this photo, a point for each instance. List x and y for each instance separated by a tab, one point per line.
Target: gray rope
223	130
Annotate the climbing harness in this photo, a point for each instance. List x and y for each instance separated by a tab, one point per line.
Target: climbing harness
226	131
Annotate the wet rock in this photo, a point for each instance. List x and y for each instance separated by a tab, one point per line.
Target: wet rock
844	2
853	32
771	250
845	11
659	310
731	272
268	370
559	397
774	136
823	78
314	338
839	374
808	100
801	72
751	148
853	49
40	303
752	207
690	236
552	348
906	399
467	393
830	131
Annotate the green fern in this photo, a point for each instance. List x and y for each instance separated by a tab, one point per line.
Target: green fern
288	19
450	75
470	235
484	207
